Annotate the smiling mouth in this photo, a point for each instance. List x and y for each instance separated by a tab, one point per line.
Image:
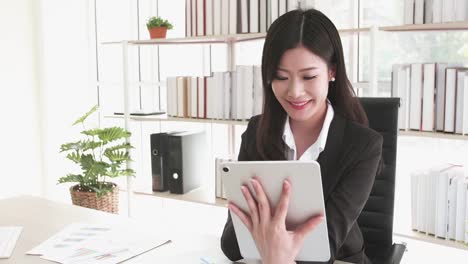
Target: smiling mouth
299	105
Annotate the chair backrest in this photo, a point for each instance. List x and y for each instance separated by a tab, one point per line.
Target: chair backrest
376	219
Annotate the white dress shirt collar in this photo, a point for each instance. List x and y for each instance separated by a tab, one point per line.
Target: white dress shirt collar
317	147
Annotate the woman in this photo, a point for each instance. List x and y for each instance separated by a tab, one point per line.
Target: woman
309	113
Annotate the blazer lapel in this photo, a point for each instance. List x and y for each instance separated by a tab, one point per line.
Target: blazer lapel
330	156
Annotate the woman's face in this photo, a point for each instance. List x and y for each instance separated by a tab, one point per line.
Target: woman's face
301	84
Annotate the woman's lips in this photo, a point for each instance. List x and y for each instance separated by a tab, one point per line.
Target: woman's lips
299	105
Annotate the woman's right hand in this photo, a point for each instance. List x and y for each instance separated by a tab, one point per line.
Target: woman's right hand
274	242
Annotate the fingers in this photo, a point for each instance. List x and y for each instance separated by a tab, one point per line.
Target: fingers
262	201
242	216
302	230
283	204
252	205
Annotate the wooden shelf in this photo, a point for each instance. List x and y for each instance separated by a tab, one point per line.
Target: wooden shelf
181	119
354	30
257	36
428	27
432	134
199	195
195	40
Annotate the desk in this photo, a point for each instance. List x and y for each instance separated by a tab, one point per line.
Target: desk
42	218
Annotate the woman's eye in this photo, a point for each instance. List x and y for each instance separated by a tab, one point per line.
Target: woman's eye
309	77
280	78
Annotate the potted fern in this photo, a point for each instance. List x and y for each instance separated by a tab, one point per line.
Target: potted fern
158	27
102	156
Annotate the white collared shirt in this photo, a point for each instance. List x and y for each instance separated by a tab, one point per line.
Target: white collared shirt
315	149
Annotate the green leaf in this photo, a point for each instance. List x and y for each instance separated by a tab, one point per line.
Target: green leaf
90	144
71	178
112	133
156	21
117	155
120	146
92	132
118	173
91	167
74	156
70	146
83	118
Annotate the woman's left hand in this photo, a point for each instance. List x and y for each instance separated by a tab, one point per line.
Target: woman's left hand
268	228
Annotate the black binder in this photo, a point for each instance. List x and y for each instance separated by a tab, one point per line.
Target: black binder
187	161
159	162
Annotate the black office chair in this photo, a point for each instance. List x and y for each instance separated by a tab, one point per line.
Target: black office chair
376	219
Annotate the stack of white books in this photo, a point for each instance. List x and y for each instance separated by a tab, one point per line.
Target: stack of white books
234	95
435	11
225	17
433	97
439	198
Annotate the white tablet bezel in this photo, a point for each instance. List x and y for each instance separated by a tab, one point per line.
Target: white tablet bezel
306	200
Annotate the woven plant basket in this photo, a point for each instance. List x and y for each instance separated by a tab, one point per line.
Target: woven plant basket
107	203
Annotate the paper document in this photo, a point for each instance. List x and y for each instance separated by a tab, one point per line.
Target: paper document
8	237
84	243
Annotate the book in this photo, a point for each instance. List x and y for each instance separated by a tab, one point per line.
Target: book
254	16
263	16
217	17
201	22
188	18
401	88
193	9
461	10
232	17
461	208
440	96
428	97
437	11
418	11
416	96
460	103
409	12
224	17
209	17
450	99
448	11
428	11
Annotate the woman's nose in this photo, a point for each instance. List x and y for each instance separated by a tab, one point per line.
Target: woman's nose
295	89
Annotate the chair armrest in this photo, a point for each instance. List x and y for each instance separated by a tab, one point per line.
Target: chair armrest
396	253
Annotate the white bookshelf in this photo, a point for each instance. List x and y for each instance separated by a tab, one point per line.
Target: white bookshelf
428	27
200	195
204	196
245	122
180	119
432	239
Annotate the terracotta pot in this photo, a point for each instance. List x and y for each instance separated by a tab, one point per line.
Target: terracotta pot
157	32
107	203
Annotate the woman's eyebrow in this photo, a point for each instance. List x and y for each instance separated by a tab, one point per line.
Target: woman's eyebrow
301	70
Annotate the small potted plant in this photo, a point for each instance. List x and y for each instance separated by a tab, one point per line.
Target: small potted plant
101	155
158	27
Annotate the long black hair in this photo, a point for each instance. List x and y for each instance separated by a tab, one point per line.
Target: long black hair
313	30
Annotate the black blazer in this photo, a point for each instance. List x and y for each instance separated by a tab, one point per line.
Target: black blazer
348	164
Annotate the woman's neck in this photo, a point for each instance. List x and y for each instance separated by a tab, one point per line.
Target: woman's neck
306	132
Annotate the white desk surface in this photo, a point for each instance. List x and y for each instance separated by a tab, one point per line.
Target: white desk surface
42	218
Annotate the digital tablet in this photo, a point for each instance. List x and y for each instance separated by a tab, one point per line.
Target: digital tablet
306	200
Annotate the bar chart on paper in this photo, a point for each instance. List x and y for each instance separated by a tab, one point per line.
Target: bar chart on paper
8	237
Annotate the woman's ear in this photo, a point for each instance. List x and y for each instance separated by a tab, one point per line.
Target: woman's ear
332	73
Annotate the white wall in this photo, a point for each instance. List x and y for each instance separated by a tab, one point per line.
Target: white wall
20	120
69	87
